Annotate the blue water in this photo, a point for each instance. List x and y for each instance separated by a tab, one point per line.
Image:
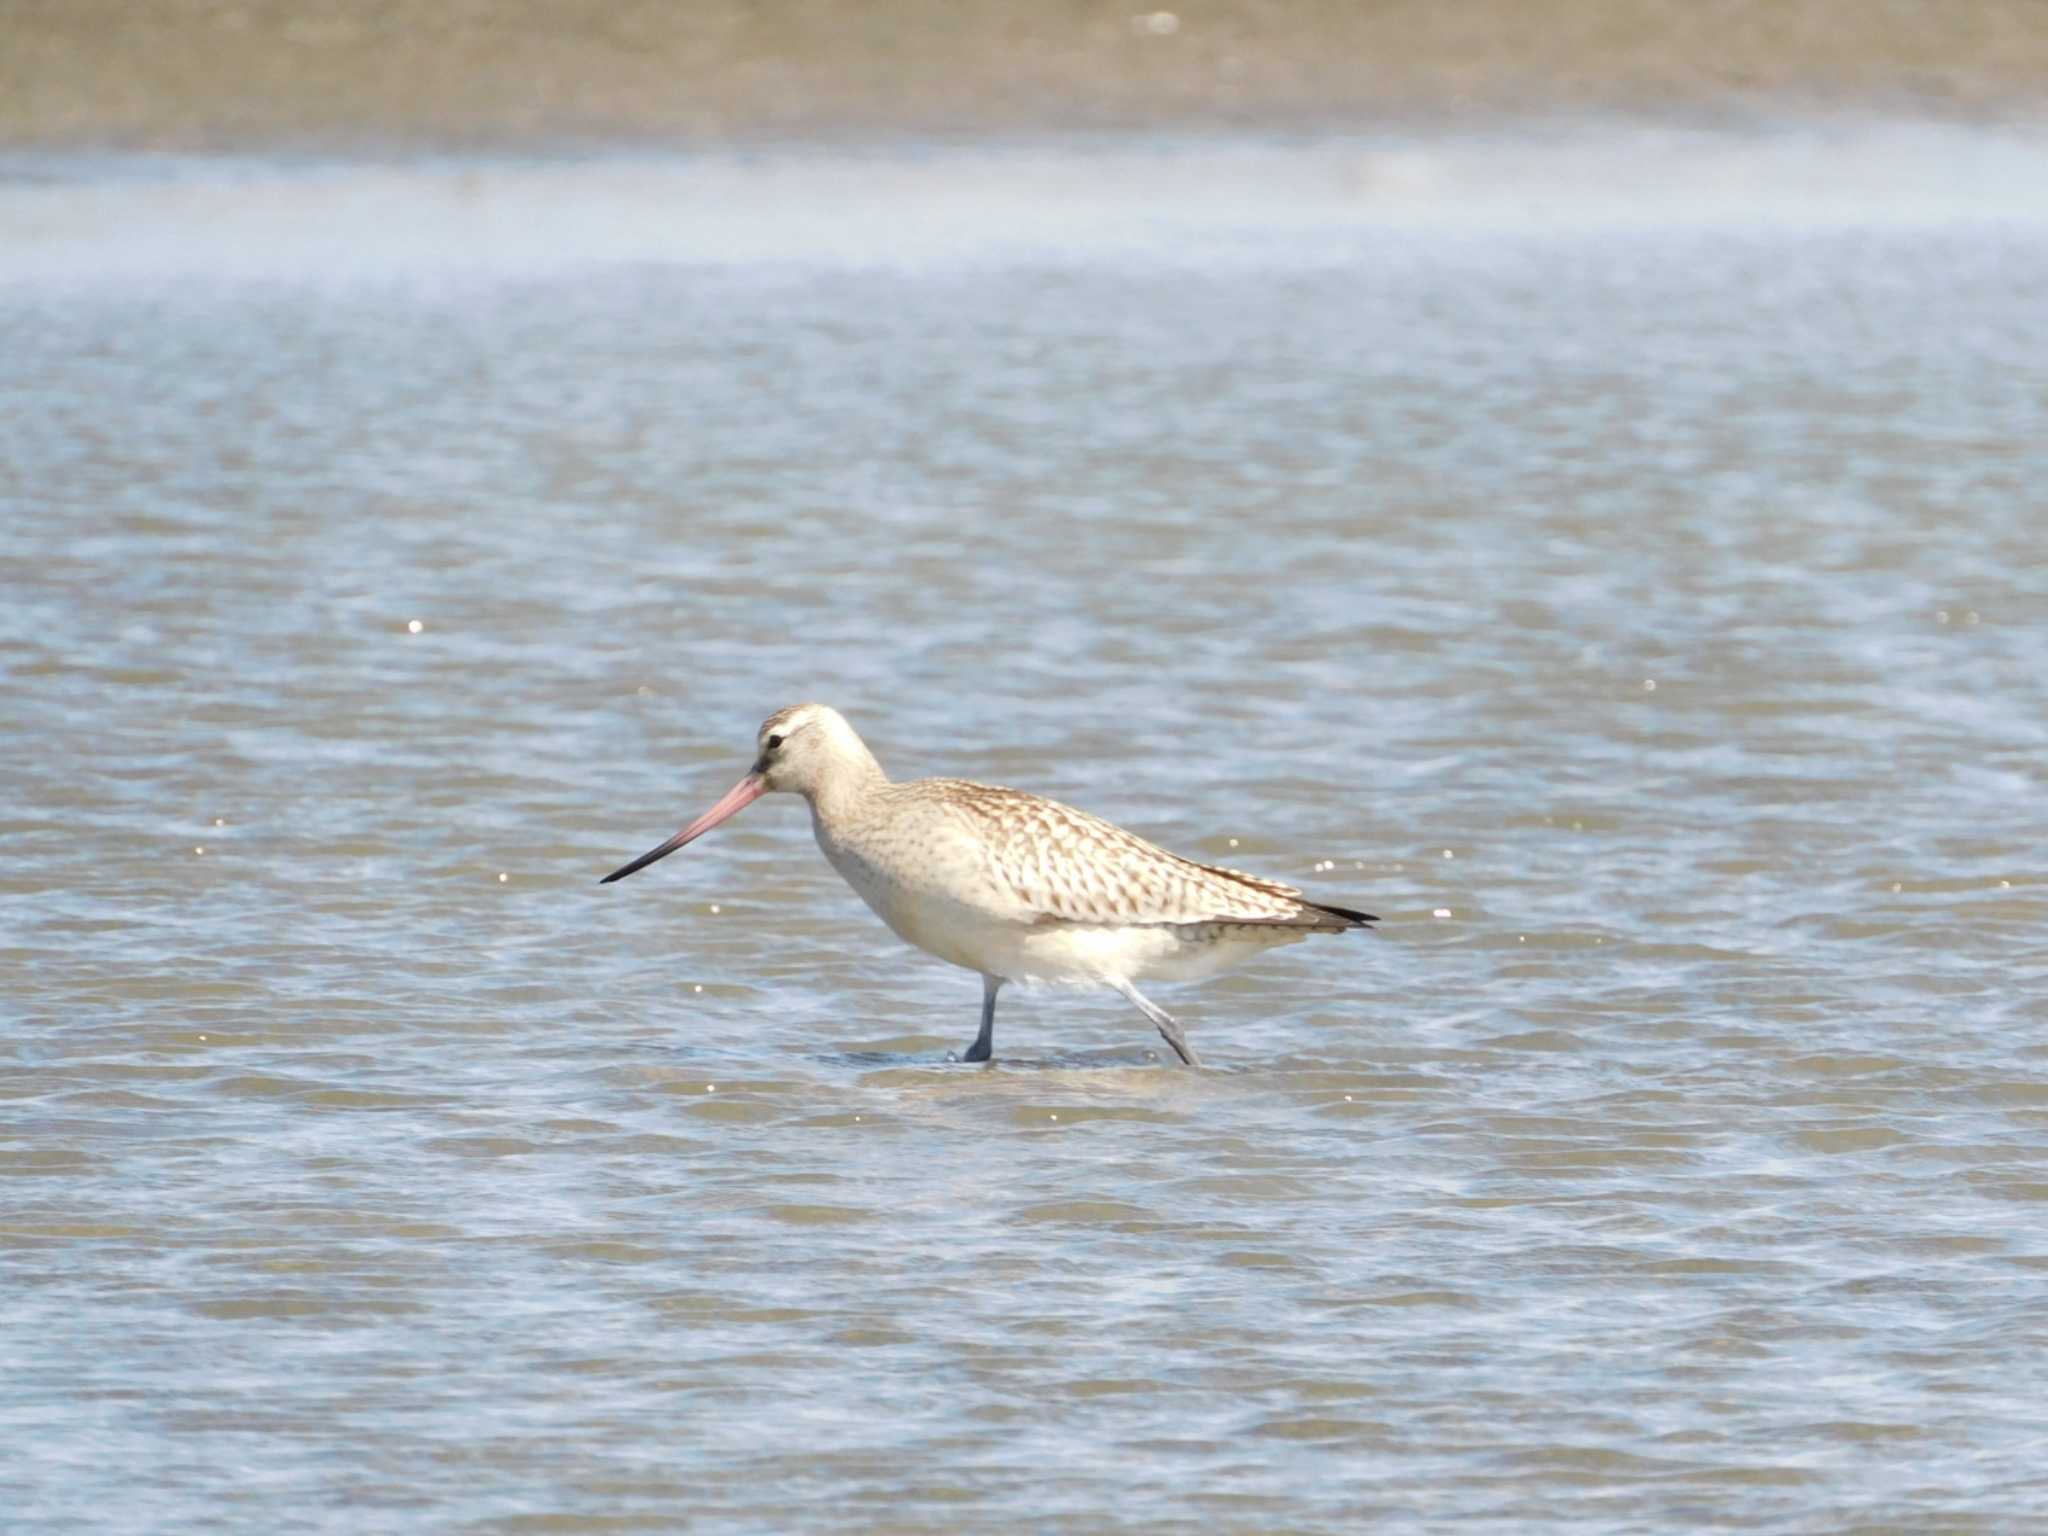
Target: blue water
1618	567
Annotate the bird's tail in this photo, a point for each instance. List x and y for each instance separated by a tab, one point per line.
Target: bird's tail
1351	919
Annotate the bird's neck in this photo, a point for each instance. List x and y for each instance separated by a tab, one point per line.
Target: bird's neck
854	777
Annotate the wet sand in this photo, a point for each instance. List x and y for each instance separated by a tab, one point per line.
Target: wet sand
453	74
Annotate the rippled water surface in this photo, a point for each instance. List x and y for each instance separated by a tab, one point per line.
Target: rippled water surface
1642	613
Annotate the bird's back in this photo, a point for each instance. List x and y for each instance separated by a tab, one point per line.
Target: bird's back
1023	858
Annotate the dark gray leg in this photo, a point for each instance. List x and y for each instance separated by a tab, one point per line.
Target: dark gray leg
1169	1030
985	1042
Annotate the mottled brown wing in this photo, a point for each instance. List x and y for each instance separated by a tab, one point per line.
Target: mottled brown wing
1061	865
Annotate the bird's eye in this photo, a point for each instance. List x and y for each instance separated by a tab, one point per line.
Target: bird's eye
774	742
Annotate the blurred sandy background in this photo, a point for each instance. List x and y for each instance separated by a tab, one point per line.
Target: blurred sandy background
383	74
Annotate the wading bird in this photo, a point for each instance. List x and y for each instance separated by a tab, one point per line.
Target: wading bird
1012	885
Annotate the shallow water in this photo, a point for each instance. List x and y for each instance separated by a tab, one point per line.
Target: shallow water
1641	611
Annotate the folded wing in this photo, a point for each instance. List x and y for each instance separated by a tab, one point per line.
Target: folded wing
1051	863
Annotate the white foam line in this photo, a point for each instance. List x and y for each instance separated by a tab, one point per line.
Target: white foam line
1179	201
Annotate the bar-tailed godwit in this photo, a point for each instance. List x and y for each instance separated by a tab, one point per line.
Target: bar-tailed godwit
1014	886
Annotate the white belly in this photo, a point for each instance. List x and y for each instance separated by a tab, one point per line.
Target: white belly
933	916
1072	952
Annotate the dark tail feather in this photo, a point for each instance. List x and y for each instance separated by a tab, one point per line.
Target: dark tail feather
1355	919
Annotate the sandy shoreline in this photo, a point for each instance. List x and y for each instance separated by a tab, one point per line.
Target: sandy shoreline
353	75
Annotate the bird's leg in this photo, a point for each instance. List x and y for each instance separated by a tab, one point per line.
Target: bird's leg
1169	1029
985	1043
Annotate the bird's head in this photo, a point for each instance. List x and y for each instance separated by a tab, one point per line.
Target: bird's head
798	748
796	751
